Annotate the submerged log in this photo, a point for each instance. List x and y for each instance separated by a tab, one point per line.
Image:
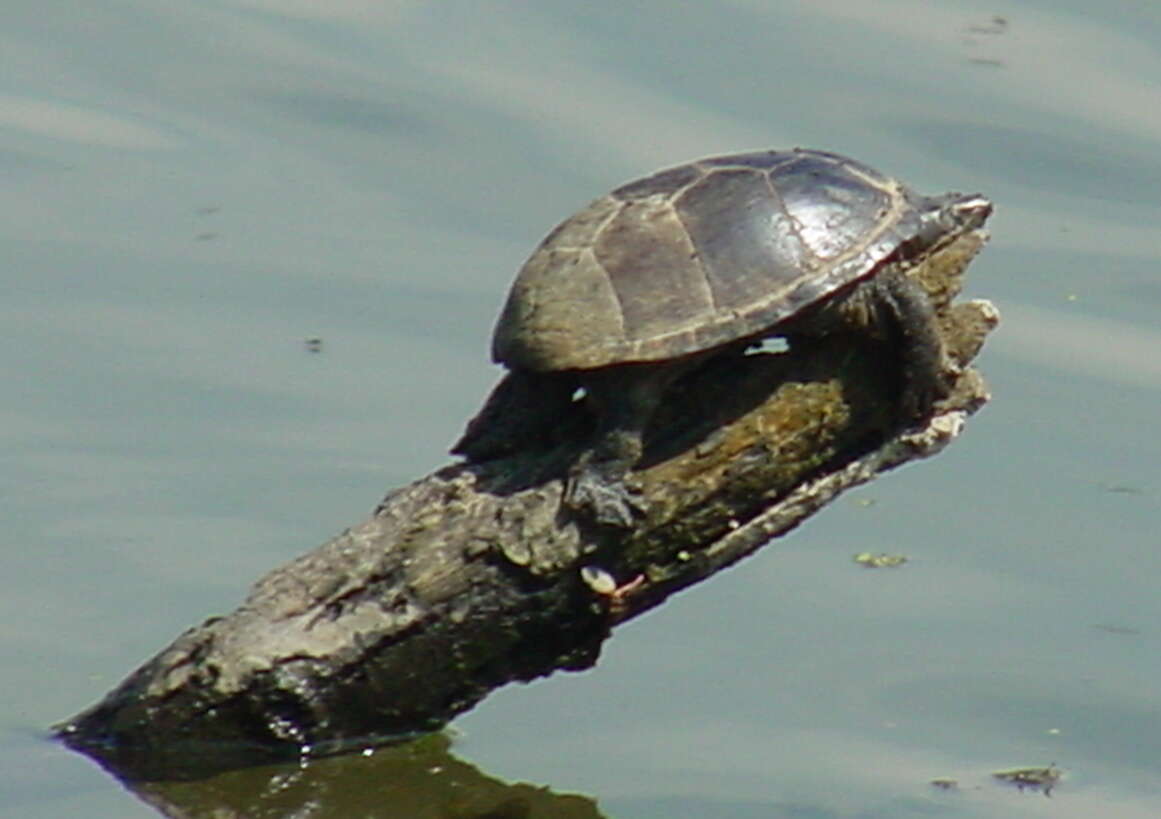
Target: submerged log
473	577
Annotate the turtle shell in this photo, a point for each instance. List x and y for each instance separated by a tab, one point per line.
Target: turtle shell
718	250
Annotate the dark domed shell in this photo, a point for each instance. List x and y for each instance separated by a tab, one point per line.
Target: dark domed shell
708	253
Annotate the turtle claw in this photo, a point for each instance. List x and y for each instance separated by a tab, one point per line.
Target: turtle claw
918	401
605	501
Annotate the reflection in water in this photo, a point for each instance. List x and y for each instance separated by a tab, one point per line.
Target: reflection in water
418	780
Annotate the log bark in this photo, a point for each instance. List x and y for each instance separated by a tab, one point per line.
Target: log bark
473	576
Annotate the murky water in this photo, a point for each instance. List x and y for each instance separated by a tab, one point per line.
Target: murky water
192	190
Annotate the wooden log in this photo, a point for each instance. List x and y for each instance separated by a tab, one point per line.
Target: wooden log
473	576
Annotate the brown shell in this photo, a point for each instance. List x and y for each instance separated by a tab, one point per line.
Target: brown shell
707	253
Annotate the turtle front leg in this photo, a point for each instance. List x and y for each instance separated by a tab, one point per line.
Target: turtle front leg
912	318
596	483
625	399
894	308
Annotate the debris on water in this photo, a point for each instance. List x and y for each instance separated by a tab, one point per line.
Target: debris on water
1113	628
996	26
882	560
1040	779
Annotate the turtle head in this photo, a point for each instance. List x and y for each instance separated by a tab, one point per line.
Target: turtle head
965	211
955	213
941	220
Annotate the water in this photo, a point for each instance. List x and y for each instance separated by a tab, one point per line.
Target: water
192	190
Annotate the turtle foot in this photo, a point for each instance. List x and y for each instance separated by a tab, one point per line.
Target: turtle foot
917	404
606	501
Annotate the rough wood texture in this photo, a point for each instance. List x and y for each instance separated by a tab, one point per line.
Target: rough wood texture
472	577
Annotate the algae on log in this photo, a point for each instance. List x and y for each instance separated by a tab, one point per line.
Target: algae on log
473	577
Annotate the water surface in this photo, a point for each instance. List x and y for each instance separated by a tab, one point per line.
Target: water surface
191	190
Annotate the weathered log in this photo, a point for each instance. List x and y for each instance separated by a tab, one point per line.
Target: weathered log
473	576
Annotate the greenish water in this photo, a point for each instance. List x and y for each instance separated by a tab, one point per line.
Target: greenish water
190	190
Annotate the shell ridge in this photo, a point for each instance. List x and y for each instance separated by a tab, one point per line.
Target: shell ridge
613	214
791	220
785	290
590	249
696	256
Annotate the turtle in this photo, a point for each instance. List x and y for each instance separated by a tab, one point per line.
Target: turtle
671	270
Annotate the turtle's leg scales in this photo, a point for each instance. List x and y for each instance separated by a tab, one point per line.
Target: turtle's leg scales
594	487
893	307
624	398
913	319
